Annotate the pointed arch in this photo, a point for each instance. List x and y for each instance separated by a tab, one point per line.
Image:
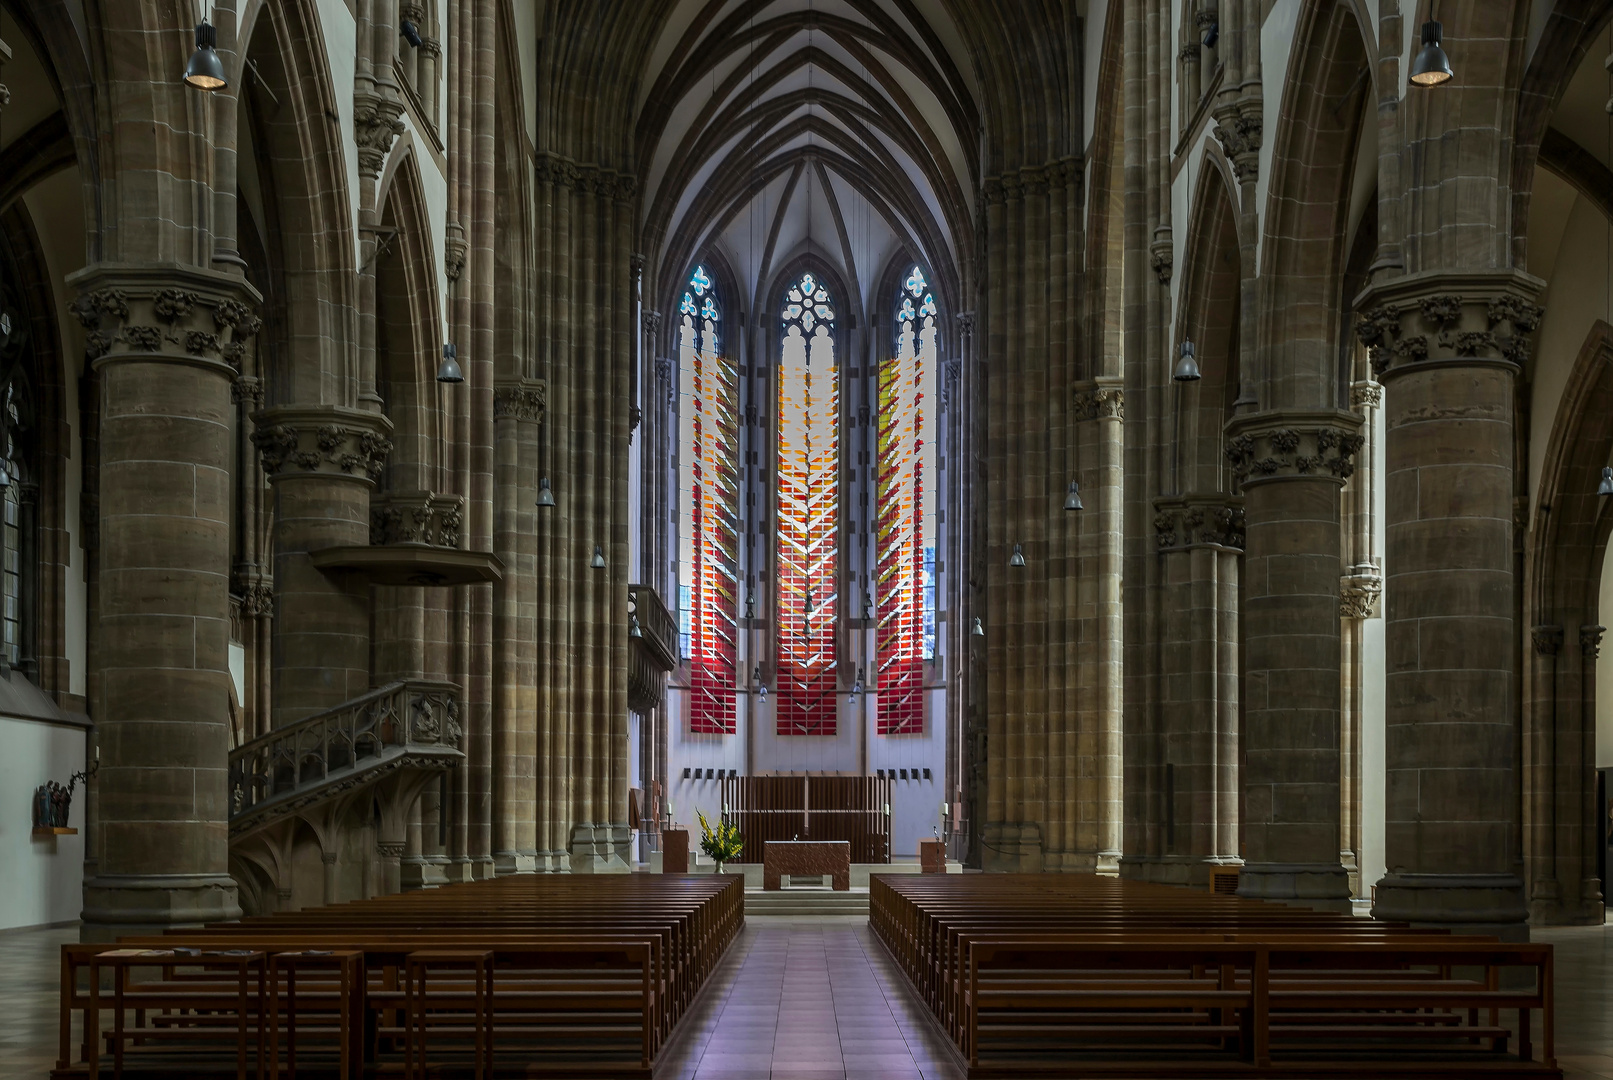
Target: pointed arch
1210	318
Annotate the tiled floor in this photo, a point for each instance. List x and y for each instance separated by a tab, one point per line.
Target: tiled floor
799	999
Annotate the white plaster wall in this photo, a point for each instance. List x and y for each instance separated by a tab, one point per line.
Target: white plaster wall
44	879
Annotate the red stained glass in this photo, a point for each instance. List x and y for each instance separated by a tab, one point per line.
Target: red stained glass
808	513
708	495
905	504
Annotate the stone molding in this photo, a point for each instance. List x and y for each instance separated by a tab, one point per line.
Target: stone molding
1359	594
1287	446
1461	317
428	518
377	124
525	400
322	440
1191	521
168	312
585	179
1032	180
1092	401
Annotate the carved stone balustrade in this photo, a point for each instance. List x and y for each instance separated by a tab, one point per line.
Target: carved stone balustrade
406	725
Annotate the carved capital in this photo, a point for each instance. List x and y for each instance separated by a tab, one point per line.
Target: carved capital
376	126
522	401
1590	641
1215	520
455	247
1286	446
165	312
1366	395
1161	256
416	517
1239	127
389	849
1484	316
1094	402
1358	595
1548	639
330	441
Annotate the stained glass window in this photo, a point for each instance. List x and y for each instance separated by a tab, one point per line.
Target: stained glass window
808	534
708	498
905	500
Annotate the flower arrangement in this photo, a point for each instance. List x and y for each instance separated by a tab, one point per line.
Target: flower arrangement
722	845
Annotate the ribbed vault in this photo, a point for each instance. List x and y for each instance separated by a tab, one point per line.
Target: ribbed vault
843	129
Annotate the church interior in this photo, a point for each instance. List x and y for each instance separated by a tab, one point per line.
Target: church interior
730	539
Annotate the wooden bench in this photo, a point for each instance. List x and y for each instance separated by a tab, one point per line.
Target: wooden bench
582	976
1055	974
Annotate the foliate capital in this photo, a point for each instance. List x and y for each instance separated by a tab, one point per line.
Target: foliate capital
1358	595
1215	520
1294	445
1469	318
168	312
524	400
328	440
416	517
1093	401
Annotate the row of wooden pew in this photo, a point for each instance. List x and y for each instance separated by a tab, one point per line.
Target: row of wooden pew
562	975
1080	975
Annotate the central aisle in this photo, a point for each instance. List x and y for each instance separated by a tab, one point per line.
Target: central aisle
803	999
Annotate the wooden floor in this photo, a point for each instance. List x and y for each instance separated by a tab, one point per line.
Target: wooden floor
1058	974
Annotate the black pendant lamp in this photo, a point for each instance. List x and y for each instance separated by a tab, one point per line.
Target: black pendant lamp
1605	488
1432	67
545	494
1072	501
205	70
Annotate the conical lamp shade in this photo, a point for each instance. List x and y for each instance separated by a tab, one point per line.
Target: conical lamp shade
1432	66
598	561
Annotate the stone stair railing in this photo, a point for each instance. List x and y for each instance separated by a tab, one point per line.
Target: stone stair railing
414	723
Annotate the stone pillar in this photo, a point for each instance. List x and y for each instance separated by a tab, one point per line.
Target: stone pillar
391	852
323	462
158	339
1359	589
1292	465
331	883
517	408
1449	346
1200	540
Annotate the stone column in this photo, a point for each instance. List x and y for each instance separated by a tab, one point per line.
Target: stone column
517	408
1449	346
1200	540
158	338
323	462
1359	589
1292	465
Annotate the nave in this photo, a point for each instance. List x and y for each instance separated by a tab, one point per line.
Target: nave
974	976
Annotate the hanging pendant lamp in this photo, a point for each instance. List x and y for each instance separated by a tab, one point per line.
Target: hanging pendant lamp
1605	488
598	561
1432	67
205	70
1187	365
545	494
1072	501
1017	559
449	371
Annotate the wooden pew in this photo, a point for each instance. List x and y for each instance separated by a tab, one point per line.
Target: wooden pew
588	976
1054	974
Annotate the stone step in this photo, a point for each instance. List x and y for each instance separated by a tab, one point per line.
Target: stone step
808	901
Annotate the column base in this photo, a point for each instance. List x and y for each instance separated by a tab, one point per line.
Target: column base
1549	907
1320	886
117	904
601	849
1011	847
553	862
506	863
1490	904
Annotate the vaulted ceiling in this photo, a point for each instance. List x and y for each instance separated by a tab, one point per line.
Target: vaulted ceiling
843	129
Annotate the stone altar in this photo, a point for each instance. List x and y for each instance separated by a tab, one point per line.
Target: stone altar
797	857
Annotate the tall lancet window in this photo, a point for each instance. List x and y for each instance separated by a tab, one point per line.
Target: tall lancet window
905	501
808	562
708	504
